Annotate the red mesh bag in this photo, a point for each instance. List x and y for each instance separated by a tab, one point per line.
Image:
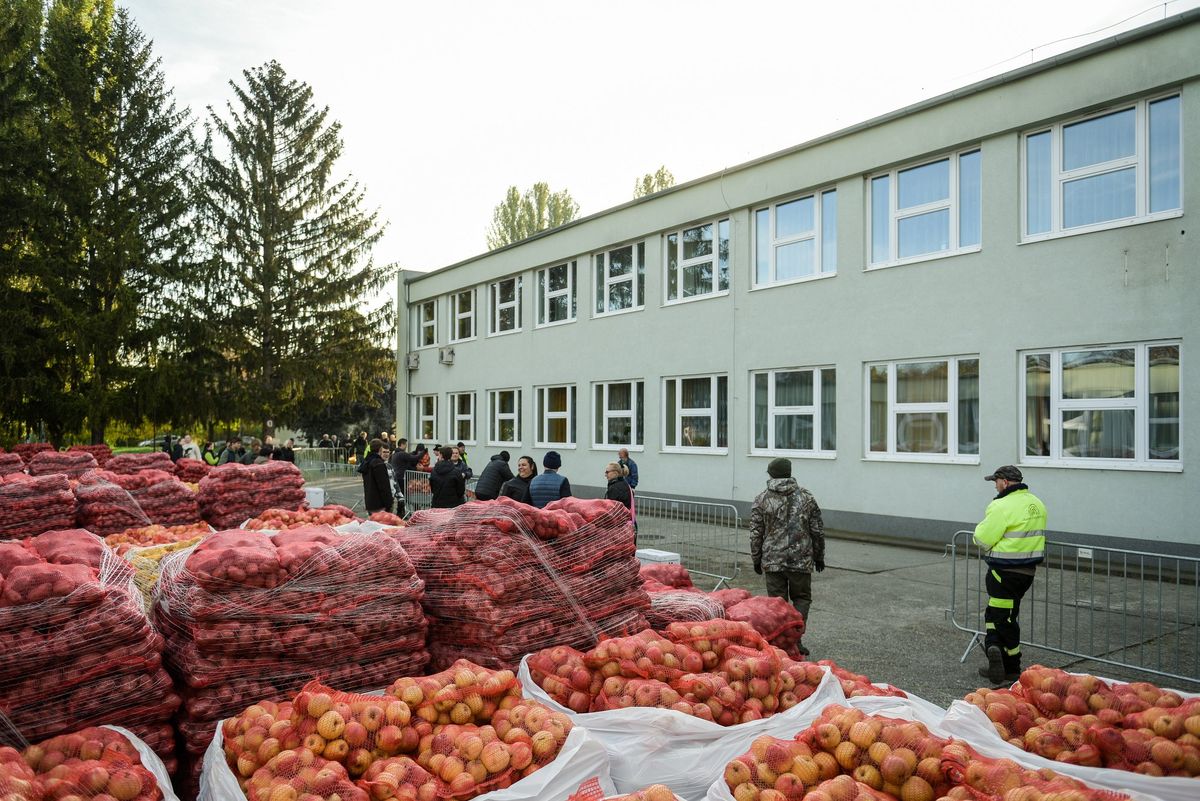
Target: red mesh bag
101	453
304	774
284	519
104	507
169	502
353	729
671	574
618	692
771	766
590	791
774	618
1055	692
711	638
646	655
191	470
261	732
988	779
562	673
463	693
11	463
128	463
729	597
26	450
386	518
397	779
1009	712
845	788
70	547
72	465
31	505
86	744
232	493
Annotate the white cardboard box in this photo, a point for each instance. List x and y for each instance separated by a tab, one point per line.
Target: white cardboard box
648	555
315	496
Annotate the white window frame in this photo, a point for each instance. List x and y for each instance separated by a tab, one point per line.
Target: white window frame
817	236
457	315
949	407
682	412
420	418
1140	403
817	451
895	214
1140	160
681	264
494	417
455	418
543	417
545	295
423	326
602	413
495	306
600	261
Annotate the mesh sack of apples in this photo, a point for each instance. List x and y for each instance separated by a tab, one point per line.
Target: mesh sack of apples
233	493
105	507
71	464
31	505
503	578
249	615
591	790
102	453
76	646
92	763
283	519
26	450
458	734
192	470
11	463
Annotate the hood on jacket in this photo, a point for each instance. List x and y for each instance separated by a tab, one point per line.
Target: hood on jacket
784	486
443	467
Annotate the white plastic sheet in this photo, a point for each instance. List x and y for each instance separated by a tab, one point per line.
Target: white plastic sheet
150	761
662	746
582	757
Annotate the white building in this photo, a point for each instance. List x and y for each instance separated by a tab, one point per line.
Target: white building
1003	274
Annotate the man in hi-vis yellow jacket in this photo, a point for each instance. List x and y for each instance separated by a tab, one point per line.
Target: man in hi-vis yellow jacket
1013	538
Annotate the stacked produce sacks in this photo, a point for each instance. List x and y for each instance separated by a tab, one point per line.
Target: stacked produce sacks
11	463
101	452
104	507
30	506
76	647
250	616
70	464
191	470
233	493
26	450
504	579
133	462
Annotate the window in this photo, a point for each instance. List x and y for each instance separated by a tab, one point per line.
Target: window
1120	166
425	417
556	294
504	411
462	315
506	306
619	414
926	210
555	417
427	324
1107	406
796	239
924	410
621	279
696	264
696	412
794	411
462	417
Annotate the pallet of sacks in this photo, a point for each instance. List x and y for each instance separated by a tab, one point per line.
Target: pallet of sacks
147	497
503	579
135	462
252	616
26	450
72	464
31	505
101	452
76	645
11	463
234	493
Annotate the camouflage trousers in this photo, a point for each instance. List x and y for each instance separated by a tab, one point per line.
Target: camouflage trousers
791	585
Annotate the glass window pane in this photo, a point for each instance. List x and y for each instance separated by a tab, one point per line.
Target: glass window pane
619	397
556	399
559	309
556	430
464	328
794	432
507	402
507	319
762	246
671	407
722	255
696	393
1098	433
508	431
794	260
465	300
1164	402
558	277
620	296
794	388
829	231
881	219
698	242
921	382
1099	198
968	406
1037	183
795	217
1037	404
620	431
598	415
640	297
672	267
1098	140
697	432
879	406
924	233
601	295
1164	155
928	183
760	411
722	412
828	410
508	291
921	433
970	193
1098	374
620	262
639	415
698	279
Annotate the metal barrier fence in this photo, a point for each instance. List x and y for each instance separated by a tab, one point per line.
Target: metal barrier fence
418	494
1129	608
327	460
705	535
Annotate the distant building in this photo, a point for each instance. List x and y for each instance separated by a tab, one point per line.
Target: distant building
1003	274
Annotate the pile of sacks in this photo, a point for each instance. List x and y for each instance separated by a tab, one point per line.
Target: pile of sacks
234	493
70	464
31	505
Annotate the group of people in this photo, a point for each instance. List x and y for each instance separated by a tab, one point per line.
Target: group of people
232	450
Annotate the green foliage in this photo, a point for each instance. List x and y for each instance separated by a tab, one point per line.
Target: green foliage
521	216
653	182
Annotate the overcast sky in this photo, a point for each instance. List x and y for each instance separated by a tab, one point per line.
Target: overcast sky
445	105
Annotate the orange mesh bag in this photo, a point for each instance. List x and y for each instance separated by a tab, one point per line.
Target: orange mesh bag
712	697
562	673
618	692
301	773
463	693
1009	712
398	779
646	655
86	744
1055	692
988	779
257	735
773	770
774	618
1148	693
669	573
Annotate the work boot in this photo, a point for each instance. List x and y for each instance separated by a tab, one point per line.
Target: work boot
994	672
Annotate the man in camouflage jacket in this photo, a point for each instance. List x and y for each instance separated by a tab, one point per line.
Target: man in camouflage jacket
787	538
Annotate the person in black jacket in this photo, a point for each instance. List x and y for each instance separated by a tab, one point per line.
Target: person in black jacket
618	489
285	452
494	474
448	486
377	485
402	460
517	487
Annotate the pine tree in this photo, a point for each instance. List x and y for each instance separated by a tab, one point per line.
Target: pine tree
520	216
292	252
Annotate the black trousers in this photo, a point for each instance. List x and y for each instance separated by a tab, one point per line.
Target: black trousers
1002	626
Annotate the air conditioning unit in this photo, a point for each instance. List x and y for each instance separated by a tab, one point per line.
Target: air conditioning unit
413	361
446	355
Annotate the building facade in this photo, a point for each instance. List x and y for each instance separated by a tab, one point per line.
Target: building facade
1003	274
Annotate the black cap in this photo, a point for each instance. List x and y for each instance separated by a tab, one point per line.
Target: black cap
1007	472
779	468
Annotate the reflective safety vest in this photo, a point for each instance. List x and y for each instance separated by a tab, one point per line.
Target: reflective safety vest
1013	531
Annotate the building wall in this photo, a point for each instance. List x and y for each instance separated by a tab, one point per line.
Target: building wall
1124	284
